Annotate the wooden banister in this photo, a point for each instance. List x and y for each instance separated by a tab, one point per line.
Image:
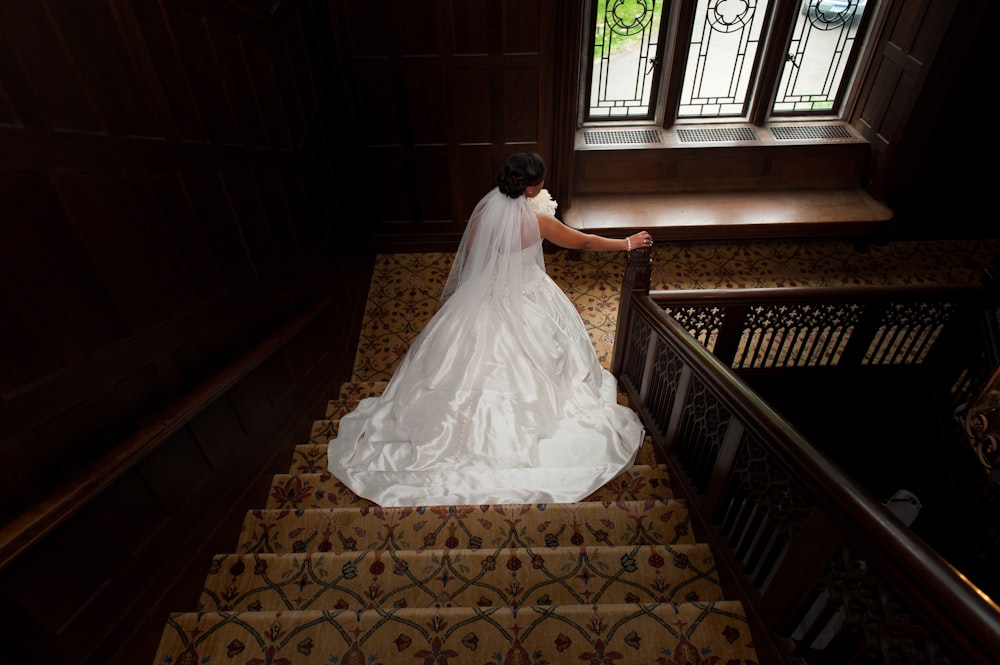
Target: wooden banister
789	527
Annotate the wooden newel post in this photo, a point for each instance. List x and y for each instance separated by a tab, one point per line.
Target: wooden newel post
638	270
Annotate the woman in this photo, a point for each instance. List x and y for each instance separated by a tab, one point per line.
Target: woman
501	397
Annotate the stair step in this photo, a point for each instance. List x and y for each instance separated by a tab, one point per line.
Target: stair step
634	633
324	490
311	457
358	528
350	394
474	578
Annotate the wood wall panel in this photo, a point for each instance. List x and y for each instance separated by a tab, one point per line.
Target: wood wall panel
34	357
472	115
162	71
228	49
380	109
105	68
435	201
52	460
183	237
911	40
222	229
200	70
275	117
38	252
55	93
252	222
418	29
300	69
170	181
428	122
270	190
122	249
395	182
173	473
484	69
523	26
520	104
472	19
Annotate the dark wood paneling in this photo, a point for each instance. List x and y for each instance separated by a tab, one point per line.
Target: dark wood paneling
473	17
521	92
55	283
253	223
181	236
273	194
379	107
92	35
194	48
54	96
722	168
228	48
171	183
428	122
909	43
114	237
34	357
472	108
442	86
221	227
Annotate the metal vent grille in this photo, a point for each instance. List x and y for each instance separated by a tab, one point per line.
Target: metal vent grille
716	134
803	132
619	137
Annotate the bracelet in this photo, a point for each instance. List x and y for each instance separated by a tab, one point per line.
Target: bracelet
628	241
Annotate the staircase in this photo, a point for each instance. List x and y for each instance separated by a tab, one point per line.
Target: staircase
322	576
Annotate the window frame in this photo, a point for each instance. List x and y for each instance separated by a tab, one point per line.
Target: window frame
678	21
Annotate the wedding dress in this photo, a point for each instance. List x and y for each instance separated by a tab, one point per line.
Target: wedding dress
500	398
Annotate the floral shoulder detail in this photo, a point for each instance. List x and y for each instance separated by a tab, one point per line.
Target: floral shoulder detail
543	203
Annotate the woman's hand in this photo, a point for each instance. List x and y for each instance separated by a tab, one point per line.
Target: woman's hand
640	239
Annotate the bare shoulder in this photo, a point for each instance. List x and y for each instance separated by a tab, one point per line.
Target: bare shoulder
547	223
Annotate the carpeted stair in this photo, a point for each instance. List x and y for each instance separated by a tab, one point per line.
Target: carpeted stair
322	576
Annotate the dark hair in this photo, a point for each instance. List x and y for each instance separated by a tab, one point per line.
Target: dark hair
520	170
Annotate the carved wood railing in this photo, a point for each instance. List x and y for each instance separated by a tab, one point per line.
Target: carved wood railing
827	573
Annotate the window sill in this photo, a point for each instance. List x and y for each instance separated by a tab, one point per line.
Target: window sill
738	157
790	132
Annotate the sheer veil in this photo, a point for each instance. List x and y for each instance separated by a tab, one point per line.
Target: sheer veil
500	243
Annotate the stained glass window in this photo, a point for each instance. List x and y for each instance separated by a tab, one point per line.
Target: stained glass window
626	39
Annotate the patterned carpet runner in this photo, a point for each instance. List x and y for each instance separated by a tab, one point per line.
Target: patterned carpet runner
320	575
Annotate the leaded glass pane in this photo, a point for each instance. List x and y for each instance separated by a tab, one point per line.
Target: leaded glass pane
818	56
625	49
722	57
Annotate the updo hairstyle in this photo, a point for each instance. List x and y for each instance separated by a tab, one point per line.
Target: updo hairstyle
520	170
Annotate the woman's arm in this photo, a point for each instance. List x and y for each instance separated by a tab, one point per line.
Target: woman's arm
558	233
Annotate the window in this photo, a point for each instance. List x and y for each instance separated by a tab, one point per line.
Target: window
741	60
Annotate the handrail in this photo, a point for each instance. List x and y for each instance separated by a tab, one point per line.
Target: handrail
794	531
33	524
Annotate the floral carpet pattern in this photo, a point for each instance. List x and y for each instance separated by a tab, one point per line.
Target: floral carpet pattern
321	576
405	287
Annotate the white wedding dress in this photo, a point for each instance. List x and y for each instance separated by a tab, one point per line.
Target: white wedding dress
500	399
